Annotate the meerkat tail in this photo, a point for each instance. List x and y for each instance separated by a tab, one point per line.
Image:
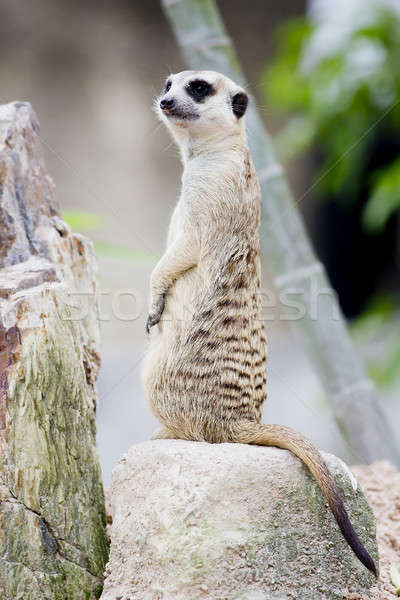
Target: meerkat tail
284	437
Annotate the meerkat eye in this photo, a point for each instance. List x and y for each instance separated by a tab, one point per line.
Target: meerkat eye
199	89
167	87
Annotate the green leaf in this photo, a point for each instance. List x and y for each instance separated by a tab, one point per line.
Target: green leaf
384	199
395	577
282	84
83	221
375	332
386	374
379	310
346	93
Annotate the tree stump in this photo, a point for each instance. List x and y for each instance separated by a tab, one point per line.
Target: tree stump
53	543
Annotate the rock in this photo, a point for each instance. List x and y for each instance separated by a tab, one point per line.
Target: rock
53	542
193	520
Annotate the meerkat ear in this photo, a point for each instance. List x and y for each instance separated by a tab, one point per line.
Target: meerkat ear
239	104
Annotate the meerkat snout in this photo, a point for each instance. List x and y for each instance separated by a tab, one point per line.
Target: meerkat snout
166	104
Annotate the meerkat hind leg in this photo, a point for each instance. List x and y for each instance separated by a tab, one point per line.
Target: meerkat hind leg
163	434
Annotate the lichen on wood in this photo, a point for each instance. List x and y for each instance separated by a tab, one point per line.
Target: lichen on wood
53	544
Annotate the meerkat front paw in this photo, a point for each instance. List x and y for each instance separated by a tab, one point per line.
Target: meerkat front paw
156	310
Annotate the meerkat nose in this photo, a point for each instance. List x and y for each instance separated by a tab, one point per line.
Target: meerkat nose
167	104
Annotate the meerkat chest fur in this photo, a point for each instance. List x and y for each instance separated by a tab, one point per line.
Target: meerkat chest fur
219	209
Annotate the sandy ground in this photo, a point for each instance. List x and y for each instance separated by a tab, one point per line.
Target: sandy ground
381	483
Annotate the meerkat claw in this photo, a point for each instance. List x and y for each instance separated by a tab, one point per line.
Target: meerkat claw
151	321
148	325
155	315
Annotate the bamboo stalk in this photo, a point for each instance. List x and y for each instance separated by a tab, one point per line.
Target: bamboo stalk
205	44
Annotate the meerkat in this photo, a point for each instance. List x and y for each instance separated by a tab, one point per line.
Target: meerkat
204	375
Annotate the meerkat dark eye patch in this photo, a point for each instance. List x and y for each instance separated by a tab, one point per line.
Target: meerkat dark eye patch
199	89
239	104
167	86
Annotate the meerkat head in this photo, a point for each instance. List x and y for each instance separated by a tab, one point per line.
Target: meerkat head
201	104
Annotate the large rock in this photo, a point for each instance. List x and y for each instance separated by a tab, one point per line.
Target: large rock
229	522
53	543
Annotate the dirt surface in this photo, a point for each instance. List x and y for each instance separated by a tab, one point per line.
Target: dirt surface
381	483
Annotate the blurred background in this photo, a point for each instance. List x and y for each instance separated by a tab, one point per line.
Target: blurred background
326	76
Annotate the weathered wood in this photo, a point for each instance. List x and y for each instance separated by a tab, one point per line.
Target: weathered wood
201	34
52	519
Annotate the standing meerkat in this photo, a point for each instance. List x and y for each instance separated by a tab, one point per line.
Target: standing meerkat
204	374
